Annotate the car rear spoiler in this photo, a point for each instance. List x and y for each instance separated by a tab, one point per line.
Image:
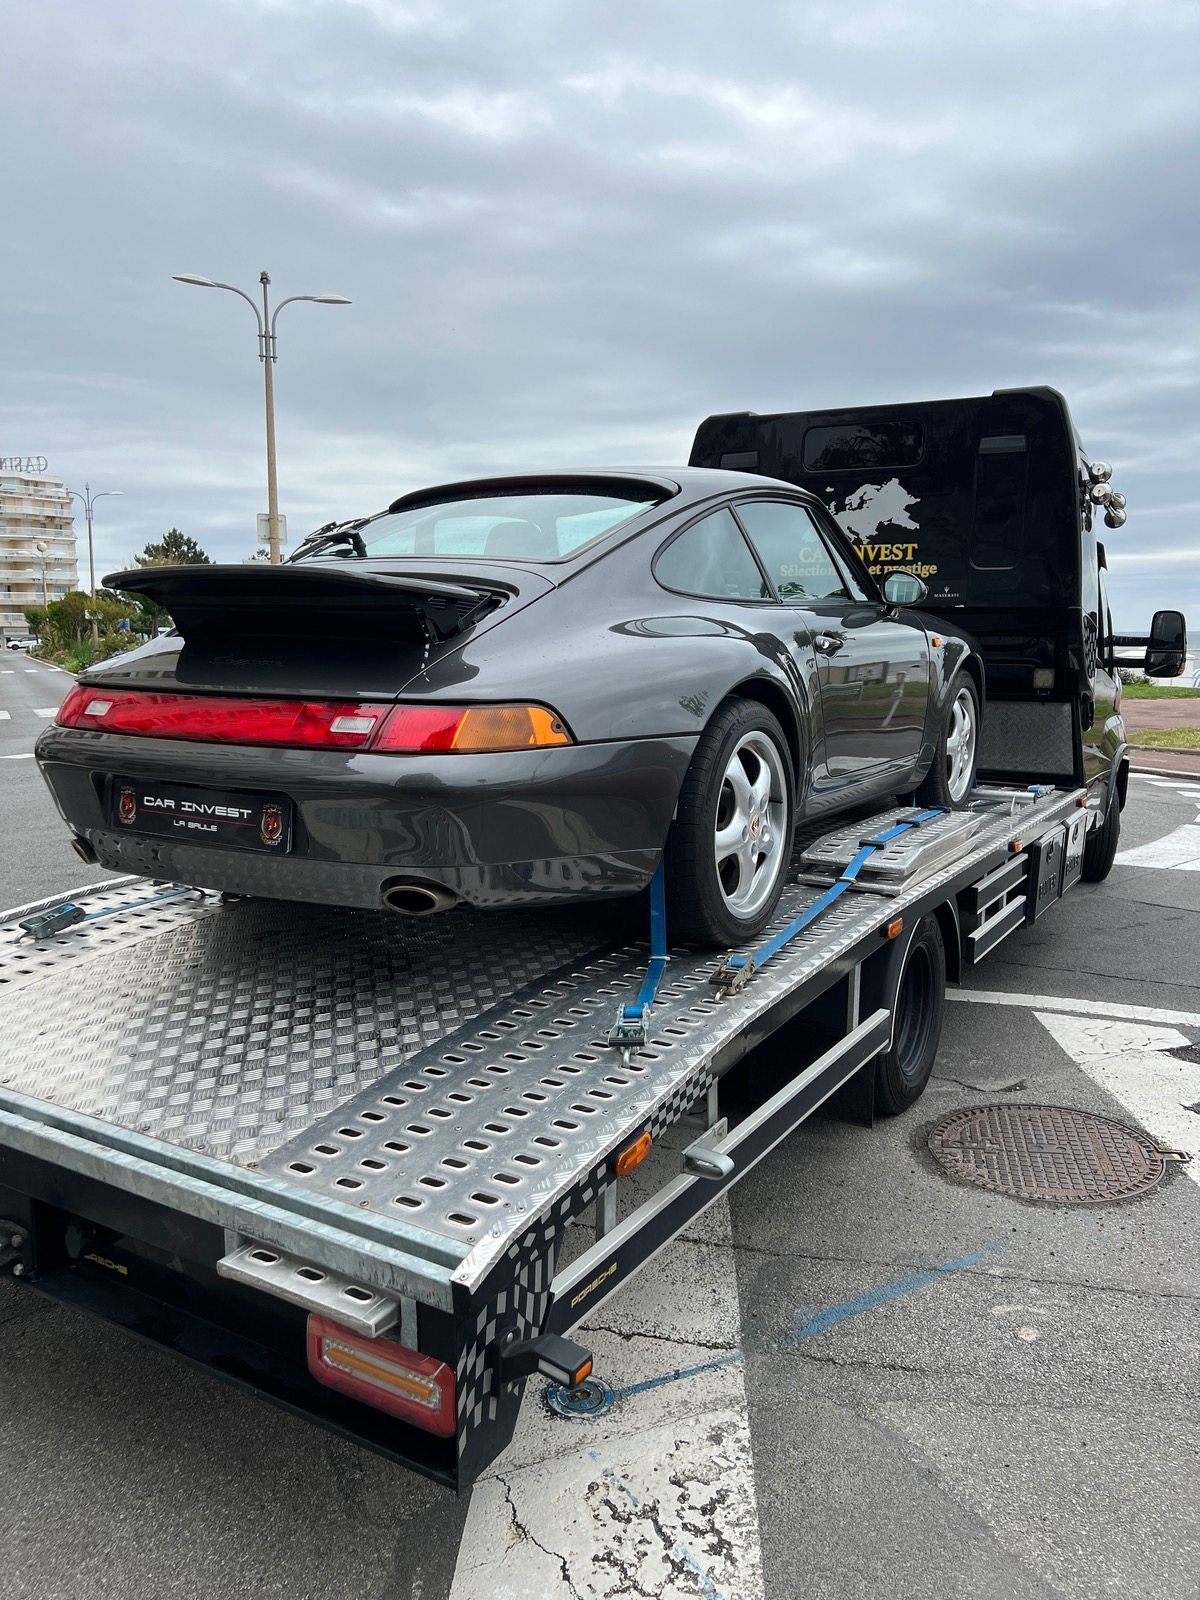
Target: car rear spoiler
206	600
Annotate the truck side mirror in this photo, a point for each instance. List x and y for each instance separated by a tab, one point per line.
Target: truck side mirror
904	589
1166	649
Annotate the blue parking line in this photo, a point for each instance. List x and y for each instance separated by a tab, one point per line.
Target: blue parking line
871	1298
824	1320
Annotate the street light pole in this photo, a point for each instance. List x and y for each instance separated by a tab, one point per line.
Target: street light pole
41	547
89	499
267	354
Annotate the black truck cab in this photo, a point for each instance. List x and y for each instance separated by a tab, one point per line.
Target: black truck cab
992	503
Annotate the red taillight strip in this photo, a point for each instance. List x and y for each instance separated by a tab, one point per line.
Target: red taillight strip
220	719
304	724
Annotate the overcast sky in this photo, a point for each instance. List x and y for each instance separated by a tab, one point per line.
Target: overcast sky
572	230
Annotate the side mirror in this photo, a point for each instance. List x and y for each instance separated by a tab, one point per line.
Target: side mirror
906	589
1166	649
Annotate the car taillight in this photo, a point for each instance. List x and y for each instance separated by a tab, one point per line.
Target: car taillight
301	724
419	1389
467	728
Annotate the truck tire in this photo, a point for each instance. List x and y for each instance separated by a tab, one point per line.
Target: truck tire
950	779
728	849
1101	844
902	1072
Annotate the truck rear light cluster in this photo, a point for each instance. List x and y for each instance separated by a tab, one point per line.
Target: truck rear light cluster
307	724
416	1388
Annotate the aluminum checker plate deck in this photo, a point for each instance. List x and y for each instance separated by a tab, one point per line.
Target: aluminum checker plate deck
358	1058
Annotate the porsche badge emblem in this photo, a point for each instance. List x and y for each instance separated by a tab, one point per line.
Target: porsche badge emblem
127	804
271	826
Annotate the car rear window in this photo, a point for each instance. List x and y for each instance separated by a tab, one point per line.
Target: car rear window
525	526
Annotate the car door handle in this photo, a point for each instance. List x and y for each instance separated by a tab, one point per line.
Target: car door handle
828	644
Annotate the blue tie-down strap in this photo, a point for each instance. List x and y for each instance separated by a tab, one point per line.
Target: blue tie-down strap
735	972
632	1028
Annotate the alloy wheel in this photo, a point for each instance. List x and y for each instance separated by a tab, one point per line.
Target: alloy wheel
750	841
960	745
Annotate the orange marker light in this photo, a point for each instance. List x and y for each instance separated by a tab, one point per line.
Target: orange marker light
1016	847
895	928
935	641
633	1155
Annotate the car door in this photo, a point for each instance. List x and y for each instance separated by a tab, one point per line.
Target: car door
871	661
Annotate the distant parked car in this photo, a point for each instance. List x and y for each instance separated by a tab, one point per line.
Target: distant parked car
22	644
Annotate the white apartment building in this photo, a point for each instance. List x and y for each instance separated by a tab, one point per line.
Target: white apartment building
37	541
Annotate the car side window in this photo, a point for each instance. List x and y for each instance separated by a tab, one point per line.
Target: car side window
795	553
711	558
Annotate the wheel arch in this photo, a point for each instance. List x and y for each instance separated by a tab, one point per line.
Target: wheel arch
783	709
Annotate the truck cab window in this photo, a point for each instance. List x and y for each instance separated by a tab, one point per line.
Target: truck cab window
798	560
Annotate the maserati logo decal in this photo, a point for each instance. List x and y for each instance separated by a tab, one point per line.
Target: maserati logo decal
271	826
127	804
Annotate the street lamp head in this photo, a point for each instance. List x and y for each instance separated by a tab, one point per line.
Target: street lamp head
331	300
190	277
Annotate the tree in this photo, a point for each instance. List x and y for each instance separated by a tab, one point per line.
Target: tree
35	620
69	620
174	549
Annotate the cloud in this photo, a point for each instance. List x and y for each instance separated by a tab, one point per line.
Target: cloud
570	232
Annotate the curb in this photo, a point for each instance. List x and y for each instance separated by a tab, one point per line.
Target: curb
1163	772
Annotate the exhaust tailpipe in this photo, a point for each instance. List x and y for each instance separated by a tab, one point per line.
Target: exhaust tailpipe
84	851
418	899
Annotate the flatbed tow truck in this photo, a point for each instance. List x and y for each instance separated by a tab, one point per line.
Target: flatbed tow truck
349	1162
379	1172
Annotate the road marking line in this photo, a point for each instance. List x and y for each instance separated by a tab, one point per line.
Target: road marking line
45	711
30	672
1131	1063
5	716
26	755
662	1480
1086	1008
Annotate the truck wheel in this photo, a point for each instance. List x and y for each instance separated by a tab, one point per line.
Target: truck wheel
949	781
728	849
902	1072
1101	845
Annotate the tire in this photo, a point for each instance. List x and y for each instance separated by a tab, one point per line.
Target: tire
741	768
902	1072
949	781
1101	844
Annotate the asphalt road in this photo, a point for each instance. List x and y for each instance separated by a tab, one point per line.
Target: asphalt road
35	856
857	1379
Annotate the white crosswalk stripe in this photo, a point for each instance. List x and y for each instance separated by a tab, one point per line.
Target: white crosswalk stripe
662	1484
1130	1061
1178	850
5	716
45	711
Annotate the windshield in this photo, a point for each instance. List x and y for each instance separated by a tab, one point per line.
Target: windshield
524	526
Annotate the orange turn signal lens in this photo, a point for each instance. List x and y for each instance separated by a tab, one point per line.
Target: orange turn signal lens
894	928
1016	847
509	728
464	729
633	1155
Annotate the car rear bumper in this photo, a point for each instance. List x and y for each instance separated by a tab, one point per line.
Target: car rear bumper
496	829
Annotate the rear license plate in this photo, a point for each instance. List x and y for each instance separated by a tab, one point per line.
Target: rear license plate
203	816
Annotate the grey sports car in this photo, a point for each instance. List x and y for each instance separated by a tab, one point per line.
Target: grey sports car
524	689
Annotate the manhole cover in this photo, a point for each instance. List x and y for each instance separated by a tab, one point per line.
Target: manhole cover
1046	1153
